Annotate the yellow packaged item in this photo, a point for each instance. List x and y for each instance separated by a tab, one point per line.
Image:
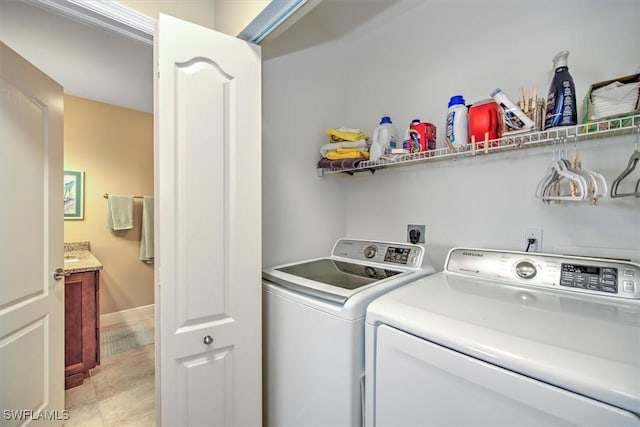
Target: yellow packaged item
347	153
337	135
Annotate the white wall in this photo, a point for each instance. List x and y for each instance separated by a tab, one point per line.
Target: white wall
406	63
303	214
448	47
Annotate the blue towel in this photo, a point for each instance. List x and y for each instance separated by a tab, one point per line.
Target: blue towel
146	235
119	212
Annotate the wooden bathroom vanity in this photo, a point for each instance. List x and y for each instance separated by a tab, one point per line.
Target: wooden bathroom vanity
81	315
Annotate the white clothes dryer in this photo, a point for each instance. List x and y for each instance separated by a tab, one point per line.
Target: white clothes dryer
505	338
313	324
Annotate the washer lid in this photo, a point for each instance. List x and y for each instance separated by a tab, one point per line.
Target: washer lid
584	343
342	274
327	278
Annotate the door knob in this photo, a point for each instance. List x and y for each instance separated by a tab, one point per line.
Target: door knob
60	273
208	340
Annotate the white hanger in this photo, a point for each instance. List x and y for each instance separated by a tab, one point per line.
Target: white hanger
597	184
562	182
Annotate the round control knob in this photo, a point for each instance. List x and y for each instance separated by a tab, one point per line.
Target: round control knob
370	251
208	340
526	270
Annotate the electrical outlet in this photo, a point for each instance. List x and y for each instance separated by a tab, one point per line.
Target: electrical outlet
416	233
532	233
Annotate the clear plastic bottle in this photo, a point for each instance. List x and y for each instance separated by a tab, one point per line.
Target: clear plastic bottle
561	102
512	113
384	138
457	122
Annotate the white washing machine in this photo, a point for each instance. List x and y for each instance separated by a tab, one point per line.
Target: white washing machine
507	339
313	320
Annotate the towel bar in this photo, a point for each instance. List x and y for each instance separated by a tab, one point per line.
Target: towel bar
106	196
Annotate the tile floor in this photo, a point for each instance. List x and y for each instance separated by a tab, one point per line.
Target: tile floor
120	392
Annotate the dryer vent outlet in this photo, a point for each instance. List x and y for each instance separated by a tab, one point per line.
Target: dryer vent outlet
416	233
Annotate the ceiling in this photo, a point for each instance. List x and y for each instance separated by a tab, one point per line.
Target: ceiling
109	65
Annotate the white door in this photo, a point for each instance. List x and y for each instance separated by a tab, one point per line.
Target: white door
31	244
208	226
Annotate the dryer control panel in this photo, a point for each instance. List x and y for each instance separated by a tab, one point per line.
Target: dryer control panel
580	274
592	277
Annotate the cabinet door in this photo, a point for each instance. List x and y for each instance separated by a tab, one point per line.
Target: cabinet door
80	325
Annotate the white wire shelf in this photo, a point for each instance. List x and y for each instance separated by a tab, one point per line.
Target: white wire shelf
588	131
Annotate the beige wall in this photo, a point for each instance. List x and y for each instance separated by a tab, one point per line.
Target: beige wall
114	148
197	11
227	16
232	16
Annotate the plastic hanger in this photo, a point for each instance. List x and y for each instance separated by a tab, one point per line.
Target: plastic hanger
562	182
633	161
570	180
549	177
597	185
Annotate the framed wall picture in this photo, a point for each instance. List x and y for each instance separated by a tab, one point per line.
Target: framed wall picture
73	195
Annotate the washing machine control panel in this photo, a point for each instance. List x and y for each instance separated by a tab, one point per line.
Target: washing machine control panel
397	254
579	274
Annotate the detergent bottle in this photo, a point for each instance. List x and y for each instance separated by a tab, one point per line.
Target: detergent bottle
457	122
384	138
561	102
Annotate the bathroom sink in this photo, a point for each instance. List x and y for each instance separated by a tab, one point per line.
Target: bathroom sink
78	258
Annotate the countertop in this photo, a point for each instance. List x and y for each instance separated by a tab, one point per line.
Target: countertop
78	258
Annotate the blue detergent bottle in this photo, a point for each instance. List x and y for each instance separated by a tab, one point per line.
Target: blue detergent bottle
561	101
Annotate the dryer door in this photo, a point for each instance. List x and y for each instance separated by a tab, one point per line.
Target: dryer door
419	383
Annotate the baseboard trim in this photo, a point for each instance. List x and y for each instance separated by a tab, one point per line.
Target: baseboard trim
131	315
